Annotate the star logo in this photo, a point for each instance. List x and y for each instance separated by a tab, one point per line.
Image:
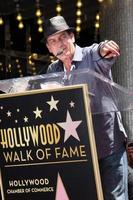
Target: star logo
16	121
8	114
61	193
53	103
37	113
72	104
18	110
25	119
70	127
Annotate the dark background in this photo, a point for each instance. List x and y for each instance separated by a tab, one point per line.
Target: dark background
15	50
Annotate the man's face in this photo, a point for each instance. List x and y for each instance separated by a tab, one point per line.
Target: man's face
61	45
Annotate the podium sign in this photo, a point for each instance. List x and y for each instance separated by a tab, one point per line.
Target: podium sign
47	146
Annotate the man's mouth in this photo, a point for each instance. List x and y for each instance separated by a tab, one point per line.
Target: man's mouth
60	52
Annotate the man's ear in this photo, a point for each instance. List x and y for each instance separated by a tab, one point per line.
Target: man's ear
73	37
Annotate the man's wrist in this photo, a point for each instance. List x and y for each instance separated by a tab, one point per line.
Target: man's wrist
101	46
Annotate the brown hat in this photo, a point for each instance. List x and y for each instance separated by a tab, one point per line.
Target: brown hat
55	25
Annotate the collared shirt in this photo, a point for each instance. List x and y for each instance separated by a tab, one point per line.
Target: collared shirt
78	54
71	68
108	127
77	57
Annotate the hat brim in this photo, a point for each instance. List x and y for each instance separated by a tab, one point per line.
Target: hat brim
71	29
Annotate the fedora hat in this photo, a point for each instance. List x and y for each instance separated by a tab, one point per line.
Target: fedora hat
55	25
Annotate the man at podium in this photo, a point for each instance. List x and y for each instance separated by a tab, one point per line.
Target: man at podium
108	128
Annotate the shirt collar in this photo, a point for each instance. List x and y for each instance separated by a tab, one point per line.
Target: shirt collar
72	68
78	54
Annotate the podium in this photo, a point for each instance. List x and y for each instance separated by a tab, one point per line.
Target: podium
47	142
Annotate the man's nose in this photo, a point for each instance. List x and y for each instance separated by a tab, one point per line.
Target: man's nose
60	44
60	41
